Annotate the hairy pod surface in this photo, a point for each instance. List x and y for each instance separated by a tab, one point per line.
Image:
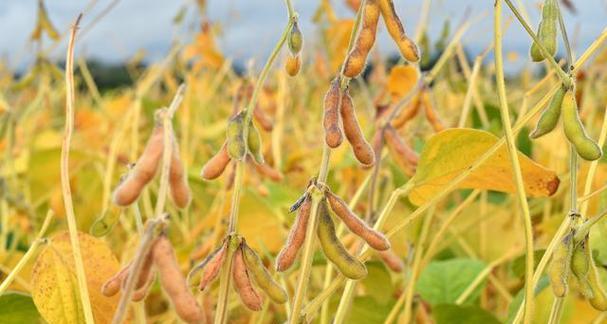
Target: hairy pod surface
211	266
262	277
243	285
144	171
178	182
297	236
334	250
293	64
361	148
407	47
357	226
356	59
550	116
235	133
174	283
585	146
560	266
295	39
217	164
546	34
333	135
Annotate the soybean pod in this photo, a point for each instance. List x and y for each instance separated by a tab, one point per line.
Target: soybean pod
243	285
297	236
560	266
356	59
333	135
261	275
361	148
550	116
407	47
235	133
599	298
574	129
546	33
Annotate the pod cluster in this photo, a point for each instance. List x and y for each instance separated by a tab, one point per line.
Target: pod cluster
332	247
573	261
357	57
564	103
546	32
339	110
159	259
145	169
295	43
247	267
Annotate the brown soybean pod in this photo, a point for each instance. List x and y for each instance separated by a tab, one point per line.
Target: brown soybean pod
212	266
404	153
431	114
112	286
178	183
216	165
361	148
144	171
356	59
267	171
392	261
333	135
334	250
262	277
174	283
407	47
243	285
262	118
297	236
140	293
293	65
407	114
374	238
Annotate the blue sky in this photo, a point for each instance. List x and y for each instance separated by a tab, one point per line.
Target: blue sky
250	27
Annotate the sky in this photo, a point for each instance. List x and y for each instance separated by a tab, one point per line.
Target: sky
251	27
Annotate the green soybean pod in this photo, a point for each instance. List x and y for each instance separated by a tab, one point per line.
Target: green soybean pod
262	277
558	272
236	144
574	129
580	266
550	116
295	40
546	31
599	298
254	143
348	265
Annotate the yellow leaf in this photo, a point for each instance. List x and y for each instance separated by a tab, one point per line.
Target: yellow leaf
54	284
338	36
449	153
401	80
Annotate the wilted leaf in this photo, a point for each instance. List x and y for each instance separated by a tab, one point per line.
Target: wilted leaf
451	152
401	80
442	282
17	308
55	287
455	314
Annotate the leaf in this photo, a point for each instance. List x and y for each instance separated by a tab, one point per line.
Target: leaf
454	314
338	36
442	282
451	152
365	310
377	283
518	265
401	81
17	308
542	284
55	287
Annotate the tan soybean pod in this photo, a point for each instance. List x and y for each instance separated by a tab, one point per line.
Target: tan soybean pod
243	285
144	171
431	114
599	298
334	250
293	64
407	47
141	292
357	226
356	59
217	164
262	119
112	286
267	171
296	239
407	114
574	129
403	153
178	182
333	135
174	283
361	148
261	275
558	272
211	266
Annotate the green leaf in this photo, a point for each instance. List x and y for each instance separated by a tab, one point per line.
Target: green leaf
518	299
378	283
442	282
454	314
16	308
365	310
518	265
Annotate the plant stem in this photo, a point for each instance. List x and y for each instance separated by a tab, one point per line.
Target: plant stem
30	252
221	313
65	177
518	177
